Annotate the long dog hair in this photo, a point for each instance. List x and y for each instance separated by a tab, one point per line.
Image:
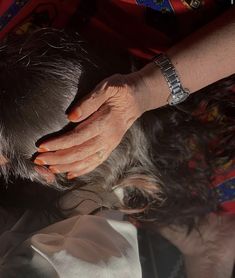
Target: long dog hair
150	170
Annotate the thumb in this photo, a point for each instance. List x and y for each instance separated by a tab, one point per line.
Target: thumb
88	106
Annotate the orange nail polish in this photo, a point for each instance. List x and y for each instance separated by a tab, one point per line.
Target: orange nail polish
39	161
74	116
42	149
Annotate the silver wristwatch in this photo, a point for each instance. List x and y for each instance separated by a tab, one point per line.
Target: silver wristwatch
178	93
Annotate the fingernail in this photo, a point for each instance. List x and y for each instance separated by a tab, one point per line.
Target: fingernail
43	149
39	161
71	176
75	115
54	170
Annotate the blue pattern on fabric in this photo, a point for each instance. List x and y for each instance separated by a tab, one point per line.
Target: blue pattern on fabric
226	191
11	12
159	5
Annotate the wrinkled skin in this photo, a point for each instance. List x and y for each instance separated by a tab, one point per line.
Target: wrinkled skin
208	251
103	118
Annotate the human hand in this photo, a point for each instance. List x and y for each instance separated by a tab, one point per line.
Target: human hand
103	116
208	249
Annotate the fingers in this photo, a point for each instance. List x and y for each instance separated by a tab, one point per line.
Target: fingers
78	136
70	155
80	167
107	112
89	105
77	158
73	175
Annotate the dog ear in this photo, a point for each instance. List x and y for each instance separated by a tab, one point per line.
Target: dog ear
137	191
45	173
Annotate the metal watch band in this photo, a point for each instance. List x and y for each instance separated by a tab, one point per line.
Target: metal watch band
178	93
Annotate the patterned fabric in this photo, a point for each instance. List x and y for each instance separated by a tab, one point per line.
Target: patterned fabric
174	6
226	190
11	12
159	5
223	183
224	187
144	27
26	14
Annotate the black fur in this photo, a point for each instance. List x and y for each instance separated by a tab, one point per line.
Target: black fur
41	74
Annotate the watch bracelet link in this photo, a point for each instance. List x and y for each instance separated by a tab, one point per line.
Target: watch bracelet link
178	93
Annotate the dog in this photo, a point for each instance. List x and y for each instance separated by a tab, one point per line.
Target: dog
164	166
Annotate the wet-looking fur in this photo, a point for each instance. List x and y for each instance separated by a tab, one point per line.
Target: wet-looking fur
165	163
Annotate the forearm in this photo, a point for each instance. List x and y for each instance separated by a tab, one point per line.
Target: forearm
201	59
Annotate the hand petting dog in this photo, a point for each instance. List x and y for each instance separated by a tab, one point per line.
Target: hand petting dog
103	117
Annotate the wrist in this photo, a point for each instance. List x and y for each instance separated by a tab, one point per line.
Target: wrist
137	93
151	87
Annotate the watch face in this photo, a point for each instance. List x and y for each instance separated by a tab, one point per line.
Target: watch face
175	99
